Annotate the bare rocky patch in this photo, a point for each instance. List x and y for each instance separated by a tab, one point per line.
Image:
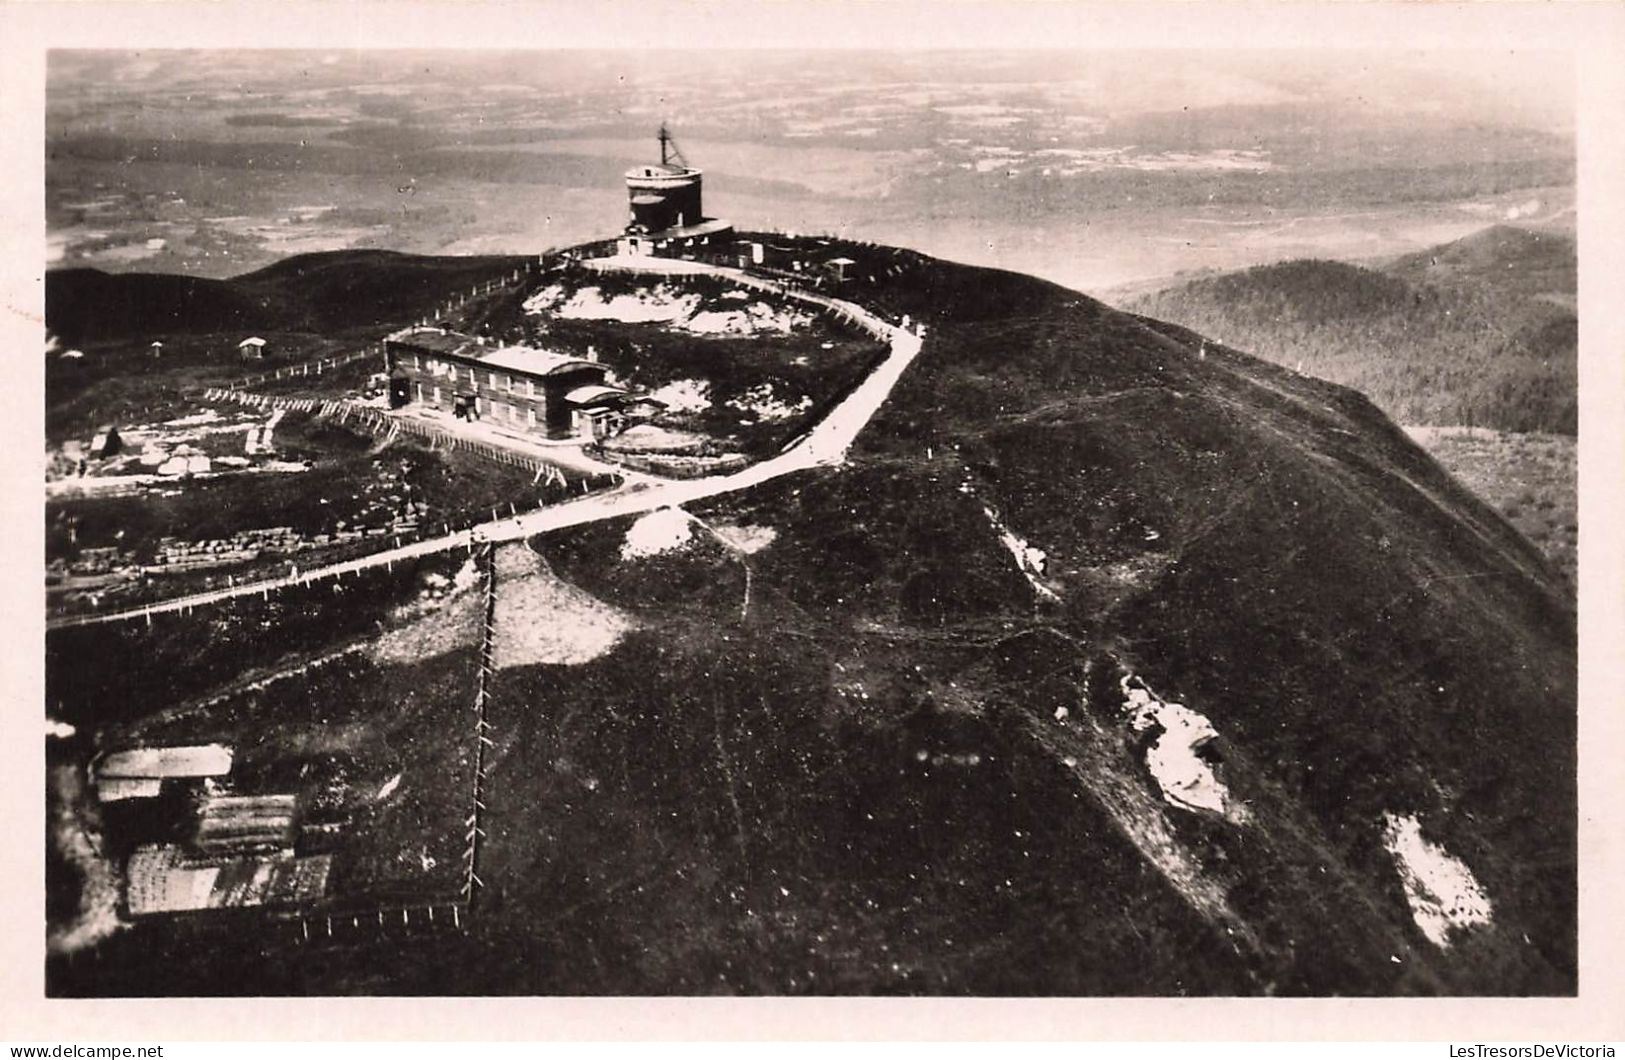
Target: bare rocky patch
542	619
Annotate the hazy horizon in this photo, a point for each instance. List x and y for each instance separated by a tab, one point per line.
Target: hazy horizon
1091	168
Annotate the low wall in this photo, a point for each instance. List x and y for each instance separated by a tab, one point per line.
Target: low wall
674	466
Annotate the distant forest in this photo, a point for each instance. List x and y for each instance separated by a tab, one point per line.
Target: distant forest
1481	332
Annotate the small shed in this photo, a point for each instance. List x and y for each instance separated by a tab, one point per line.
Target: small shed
157	348
199	760
596	396
106	442
599	410
169	879
254	348
115	789
242	823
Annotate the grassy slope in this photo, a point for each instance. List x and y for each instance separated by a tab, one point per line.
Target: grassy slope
1481	331
1529	478
859	784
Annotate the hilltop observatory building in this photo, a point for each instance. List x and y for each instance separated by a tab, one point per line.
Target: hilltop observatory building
665	212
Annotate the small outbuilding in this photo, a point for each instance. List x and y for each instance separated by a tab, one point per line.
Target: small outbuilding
254	348
599	411
115	789
139	773
106	442
235	824
169	879
198	760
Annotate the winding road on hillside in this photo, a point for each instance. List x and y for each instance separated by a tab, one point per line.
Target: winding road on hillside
825	445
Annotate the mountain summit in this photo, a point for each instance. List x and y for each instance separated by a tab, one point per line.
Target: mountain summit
1111	661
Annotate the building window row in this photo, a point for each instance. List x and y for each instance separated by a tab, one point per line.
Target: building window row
507	383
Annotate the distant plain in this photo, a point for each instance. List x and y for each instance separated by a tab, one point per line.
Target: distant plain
1096	171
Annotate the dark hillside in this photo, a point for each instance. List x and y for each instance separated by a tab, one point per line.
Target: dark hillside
327	291
1480	332
348	288
1518	263
884	754
83	305
1270	550
1324	290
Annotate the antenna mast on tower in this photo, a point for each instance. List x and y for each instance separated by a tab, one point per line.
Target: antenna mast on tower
668	148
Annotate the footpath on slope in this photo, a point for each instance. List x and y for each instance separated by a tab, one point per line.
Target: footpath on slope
825	445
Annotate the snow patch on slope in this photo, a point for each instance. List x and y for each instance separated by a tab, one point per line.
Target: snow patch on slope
542	619
657	305
662	530
747	320
746	539
684	395
444	617
1031	561
662	304
1100	762
1443	894
196	419
762	401
1186	777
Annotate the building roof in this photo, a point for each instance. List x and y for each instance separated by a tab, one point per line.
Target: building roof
434	340
161	879
203	760
532	361
519	359
223	807
252	340
165	879
242	822
651	170
595	395
112	789
708	227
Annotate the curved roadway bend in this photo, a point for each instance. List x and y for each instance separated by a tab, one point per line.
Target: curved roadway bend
825	445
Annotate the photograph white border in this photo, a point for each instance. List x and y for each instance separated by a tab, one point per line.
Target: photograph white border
1593	32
